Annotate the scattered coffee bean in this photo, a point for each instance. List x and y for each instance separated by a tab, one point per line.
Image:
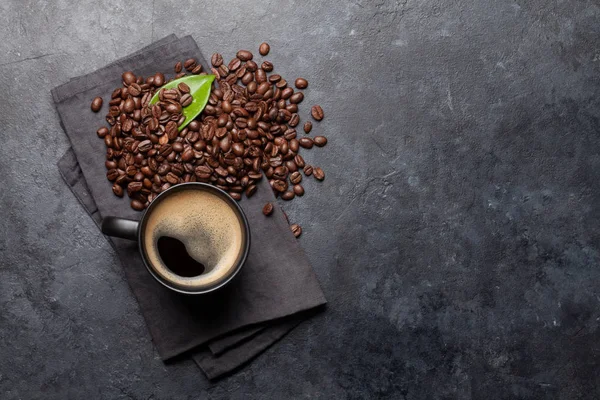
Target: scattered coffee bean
244	55
137	205
264	48
306	142
197	69
320	141
301	83
298	190
128	78
102	132
216	60
268	209
317	113
96	104
189	64
178	67
319	174
296	230
307	126
289	195
267	66
308	170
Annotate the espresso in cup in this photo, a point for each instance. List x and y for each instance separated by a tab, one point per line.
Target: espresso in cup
193	238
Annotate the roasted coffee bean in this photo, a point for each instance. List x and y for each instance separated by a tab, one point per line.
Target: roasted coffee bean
307	126
268	209
172	178
251	66
133	187
186	100
281	84
294	120
102	132
189	64
135	89
297	98
197	70
306	142
319	174
183	87
308	170
112	174
178	67
298	190
267	66
274	78
96	104
128	77
301	83
137	205
320	141
235	195
287	93
260	76
289	195
280	185
144	146
244	55
234	64
317	113
250	190
117	190
264	48
295	177
247	78
292	108
296	230
159	79
294	145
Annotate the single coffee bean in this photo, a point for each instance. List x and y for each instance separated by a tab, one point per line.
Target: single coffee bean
216	60
308	170
280	185
289	195
260	76
250	190
317	113
247	78
307	126
268	209
267	66
296	230
234	64
159	79
244	55
274	78
137	205
320	141
319	174
294	120
297	98
117	190
129	105
298	190
189	64
286	93
183	87
178	67
128	77
306	142
186	100
96	104
235	195
197	69
102	132
135	89
251	66
292	108
301	83
264	49
295	178
134	187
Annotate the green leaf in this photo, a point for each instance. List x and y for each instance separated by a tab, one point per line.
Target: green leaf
199	89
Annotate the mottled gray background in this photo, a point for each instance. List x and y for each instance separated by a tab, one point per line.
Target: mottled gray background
456	234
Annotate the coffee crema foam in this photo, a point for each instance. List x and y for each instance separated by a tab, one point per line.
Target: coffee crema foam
209	228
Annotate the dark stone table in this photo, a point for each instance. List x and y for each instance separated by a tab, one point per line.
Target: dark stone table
456	235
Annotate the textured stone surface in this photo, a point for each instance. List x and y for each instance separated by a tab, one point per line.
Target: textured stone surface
456	234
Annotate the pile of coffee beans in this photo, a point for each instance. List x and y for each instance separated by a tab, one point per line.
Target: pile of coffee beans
246	131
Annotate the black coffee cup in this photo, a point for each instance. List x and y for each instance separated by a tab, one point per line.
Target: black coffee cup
135	230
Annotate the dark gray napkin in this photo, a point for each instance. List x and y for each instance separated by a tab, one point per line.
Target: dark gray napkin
275	290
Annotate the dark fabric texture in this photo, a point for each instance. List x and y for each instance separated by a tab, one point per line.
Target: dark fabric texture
224	329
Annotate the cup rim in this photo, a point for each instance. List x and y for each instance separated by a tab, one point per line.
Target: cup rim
228	198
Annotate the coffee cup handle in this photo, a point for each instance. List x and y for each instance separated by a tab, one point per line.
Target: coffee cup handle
120	227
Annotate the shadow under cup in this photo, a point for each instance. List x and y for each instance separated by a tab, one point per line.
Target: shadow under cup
194	218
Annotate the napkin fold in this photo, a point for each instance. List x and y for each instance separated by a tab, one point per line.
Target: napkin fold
274	291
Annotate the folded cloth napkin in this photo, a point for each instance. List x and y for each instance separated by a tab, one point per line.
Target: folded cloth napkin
275	290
